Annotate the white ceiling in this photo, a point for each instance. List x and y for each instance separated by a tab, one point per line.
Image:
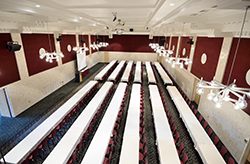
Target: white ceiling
155	17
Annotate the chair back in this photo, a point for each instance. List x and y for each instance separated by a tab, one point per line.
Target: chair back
223	151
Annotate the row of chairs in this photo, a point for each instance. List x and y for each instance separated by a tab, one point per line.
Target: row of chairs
176	137
173	127
115	130
60	128
209	130
142	146
89	129
120	73
109	71
130	74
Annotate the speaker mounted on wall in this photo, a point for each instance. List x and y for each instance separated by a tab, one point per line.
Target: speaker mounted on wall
59	39
131	29
82	41
13	46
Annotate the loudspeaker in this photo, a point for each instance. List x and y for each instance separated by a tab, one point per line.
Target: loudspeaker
11	46
131	30
59	39
98	39
163	40
82	41
190	42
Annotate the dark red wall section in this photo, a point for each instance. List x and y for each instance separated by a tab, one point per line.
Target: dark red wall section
130	43
68	40
86	38
31	45
212	48
174	42
8	65
240	67
183	44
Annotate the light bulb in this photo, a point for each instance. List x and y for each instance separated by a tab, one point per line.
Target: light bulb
199	91
210	95
242	104
181	65
218	105
215	99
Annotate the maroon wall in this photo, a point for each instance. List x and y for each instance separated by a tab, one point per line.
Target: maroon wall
68	40
31	45
240	67
8	65
183	45
130	43
212	47
86	38
174	42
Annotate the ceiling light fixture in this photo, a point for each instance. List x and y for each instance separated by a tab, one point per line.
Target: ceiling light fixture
51	55
38	6
119	28
223	91
171	4
80	17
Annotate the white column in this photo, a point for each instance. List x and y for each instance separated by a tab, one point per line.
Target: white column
20	57
222	63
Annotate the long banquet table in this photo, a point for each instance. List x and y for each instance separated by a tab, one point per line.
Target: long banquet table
137	76
166	79
150	73
164	138
102	73
98	146
66	146
131	138
203	144
117	70
126	74
23	149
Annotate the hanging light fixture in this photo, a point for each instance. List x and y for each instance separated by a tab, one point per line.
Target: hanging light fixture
50	56
223	91
177	60
81	49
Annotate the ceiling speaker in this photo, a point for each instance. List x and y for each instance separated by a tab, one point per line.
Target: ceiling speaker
13	46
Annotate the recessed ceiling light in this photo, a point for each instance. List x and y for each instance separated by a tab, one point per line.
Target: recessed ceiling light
156	18
94	24
80	17
37	5
98	23
171	4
